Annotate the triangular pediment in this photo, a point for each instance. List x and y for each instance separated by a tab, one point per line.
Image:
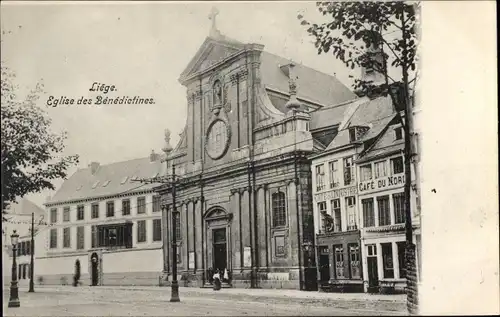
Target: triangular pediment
211	52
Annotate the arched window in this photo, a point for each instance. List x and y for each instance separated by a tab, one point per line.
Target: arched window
279	209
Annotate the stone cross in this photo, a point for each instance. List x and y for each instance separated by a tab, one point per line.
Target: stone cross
212	16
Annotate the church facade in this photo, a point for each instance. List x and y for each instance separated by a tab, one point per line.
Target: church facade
241	168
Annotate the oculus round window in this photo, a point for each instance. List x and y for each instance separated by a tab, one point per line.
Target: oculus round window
217	139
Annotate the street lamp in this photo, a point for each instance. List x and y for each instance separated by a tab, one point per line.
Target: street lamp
14	291
174	295
32	255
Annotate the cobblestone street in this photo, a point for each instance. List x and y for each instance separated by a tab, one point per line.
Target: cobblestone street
154	301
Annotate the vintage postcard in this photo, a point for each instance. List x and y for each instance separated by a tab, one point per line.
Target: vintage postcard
246	158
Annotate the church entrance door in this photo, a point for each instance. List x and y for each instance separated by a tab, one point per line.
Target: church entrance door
219	250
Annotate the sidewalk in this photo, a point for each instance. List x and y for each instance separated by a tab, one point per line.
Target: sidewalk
269	293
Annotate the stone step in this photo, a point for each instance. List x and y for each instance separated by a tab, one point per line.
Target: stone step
223	285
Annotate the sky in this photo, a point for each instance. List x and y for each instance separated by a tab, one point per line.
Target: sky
141	49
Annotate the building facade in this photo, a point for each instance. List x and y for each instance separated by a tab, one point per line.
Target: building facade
382	211
108	221
335	191
243	194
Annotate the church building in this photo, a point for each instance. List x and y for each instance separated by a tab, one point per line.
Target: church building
241	168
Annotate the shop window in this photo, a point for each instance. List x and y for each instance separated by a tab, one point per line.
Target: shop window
354	262
339	261
368	213
399	208
384	214
401	259
387	260
279	209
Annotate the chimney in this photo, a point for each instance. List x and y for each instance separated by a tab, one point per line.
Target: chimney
94	166
153	156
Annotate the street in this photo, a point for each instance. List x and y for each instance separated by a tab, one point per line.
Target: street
154	301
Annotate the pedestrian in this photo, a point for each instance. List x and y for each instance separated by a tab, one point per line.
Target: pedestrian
217	281
76	277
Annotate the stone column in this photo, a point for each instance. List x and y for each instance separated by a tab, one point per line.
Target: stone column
236	229
165	238
245	219
395	259
198	218
262	226
294	226
380	262
190	231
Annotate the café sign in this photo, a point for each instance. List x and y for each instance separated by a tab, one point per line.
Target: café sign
336	193
381	184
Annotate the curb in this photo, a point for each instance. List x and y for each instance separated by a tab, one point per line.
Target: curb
305	296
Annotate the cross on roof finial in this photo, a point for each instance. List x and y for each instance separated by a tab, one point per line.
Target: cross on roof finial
212	16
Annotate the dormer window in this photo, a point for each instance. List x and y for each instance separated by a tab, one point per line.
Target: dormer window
352	134
106	183
398	133
95	185
124	180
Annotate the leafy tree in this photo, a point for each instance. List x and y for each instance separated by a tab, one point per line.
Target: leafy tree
356	32
31	153
373	35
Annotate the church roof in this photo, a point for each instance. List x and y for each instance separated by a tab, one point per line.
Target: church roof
312	85
110	179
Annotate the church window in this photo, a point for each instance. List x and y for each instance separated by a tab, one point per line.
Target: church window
279	209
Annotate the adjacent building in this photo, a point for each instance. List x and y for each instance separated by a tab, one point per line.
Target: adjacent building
108	221
19	219
243	193
335	192
382	210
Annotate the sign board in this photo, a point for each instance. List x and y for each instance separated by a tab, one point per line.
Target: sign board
336	193
191	260
384	183
247	257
